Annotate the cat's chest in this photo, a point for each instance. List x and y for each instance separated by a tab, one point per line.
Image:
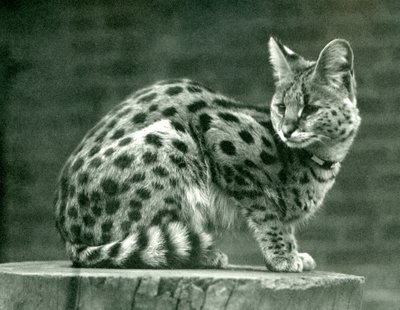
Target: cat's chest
301	192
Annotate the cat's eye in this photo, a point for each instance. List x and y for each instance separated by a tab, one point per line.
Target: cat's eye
281	108
310	109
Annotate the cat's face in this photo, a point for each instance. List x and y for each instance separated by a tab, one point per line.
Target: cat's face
314	102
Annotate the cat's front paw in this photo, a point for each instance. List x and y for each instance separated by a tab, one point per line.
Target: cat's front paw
294	262
285	263
308	262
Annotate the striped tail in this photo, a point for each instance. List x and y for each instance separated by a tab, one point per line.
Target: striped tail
171	245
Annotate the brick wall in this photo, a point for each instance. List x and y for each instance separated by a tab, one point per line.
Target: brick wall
71	62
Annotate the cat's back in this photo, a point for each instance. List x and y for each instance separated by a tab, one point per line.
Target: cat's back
169	99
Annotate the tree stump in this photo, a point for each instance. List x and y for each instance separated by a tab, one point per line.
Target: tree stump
56	285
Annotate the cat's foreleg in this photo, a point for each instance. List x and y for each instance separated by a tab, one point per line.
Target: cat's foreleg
279	247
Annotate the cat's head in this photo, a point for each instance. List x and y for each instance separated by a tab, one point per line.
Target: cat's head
314	101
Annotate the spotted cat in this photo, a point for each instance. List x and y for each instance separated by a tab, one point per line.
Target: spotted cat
144	185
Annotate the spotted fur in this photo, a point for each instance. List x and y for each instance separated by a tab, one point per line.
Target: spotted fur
147	181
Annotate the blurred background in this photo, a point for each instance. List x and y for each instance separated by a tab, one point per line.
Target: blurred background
63	64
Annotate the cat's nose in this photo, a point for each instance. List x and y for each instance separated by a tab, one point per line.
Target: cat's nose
288	129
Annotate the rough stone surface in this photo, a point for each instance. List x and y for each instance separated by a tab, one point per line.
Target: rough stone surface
55	285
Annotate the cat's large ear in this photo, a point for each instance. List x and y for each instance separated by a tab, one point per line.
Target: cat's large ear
283	60
335	64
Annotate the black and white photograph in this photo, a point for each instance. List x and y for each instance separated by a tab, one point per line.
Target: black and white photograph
171	154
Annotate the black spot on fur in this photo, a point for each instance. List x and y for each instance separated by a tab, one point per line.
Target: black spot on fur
229	117
109	186
138	177
227	147
94	150
114	250
171	111
223	103
194	89
157	186
173	91
139	118
148	98
83	178
178	160
118	134
106	226
179	145
160	171
125	141
178	126
135	204
266	142
267	159
96	210
112	206
153	139
89	220
95	162
149	157
109	152
282	175
83	200
134	215
112	123
244	172
143	193
88	238
196	106
240	180
101	136
153	108
267	125
228	174
205	121
105	238
305	179
250	163
72	212
173	182
76	232
123	161
77	164
246	136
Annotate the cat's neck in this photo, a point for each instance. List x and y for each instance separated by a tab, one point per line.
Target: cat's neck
334	152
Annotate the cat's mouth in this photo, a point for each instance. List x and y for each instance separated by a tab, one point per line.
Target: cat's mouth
299	139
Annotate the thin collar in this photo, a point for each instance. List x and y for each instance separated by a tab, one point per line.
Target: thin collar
324	164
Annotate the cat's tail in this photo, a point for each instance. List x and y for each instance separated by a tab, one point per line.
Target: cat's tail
171	245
